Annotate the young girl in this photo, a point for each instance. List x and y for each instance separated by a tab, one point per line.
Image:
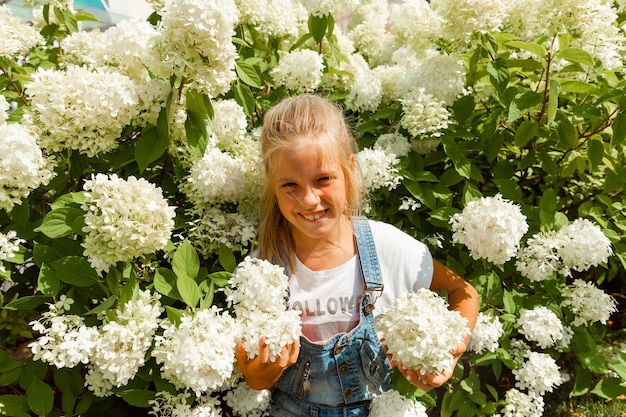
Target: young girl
345	271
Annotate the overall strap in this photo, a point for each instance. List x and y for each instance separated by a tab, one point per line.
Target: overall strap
373	280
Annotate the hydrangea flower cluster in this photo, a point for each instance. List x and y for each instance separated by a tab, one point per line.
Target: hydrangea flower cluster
486	334
379	169
9	245
424	116
199	352
588	303
229	123
23	167
247	402
299	71
196	43
541	325
420	331
180	405
122	343
277	18
539	373
124	219
519	404
17	36
393	143
579	246
65	340
257	292
87	114
491	228
392	403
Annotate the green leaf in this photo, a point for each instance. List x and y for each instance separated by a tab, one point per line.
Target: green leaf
463	108
317	27
244	97
28	302
150	147
460	161
14	405
138	397
547	206
227	258
525	132
188	290
566	131
39	397
75	270
247	74
220	278
595	152
523	103
509	302
186	262
619	130
165	283
534	48
60	222
609	388
498	75
47	281
553	100
103	307
199	115
576	55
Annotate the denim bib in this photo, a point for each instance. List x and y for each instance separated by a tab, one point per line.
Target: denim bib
340	377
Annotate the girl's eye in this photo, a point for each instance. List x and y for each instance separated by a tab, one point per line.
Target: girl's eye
325	179
288	186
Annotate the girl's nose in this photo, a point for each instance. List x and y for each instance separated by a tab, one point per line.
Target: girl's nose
310	196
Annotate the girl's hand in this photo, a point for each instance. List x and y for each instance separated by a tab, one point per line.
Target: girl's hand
259	372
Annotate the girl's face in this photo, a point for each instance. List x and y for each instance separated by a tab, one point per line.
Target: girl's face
311	193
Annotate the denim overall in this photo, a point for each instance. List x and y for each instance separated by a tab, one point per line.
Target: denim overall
339	377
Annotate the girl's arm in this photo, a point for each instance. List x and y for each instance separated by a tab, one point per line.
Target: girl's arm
259	372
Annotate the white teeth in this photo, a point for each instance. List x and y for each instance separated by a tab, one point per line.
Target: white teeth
311	218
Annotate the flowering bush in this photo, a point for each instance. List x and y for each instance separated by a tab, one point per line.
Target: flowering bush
130	176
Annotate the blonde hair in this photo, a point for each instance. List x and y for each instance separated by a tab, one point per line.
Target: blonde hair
296	122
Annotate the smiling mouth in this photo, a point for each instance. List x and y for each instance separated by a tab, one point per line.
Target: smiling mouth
313	217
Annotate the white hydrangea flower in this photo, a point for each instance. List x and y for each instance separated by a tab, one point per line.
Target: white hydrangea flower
368	29
486	334
519	404
216	178
248	402
324	7
402	20
229	122
212	227
257	292
273	18
88	114
280	327
257	285
393	143
65	341
420	331
196	44
9	246
539	259
17	36
23	167
379	169
299	70
4	108
491	228
179	405
124	219
409	203
392	403
583	245
199	353
541	325
365	88
539	373
97	383
123	342
588	303
424	115
464	17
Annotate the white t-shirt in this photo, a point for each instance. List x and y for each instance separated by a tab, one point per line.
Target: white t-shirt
329	299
